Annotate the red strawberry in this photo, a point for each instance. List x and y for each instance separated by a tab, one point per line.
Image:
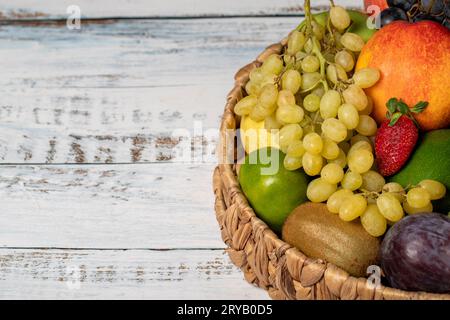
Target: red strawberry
397	136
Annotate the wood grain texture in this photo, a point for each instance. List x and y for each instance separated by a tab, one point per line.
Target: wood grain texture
159	206
121	274
116	93
57	9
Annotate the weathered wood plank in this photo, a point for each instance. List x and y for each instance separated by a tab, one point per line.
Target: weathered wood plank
115	93
130	274
158	206
57	9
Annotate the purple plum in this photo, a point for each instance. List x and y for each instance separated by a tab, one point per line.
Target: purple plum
415	253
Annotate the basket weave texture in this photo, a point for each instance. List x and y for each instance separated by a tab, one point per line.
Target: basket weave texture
266	260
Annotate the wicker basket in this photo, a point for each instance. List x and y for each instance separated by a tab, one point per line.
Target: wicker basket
266	260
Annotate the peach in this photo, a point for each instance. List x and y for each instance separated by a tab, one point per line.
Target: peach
414	62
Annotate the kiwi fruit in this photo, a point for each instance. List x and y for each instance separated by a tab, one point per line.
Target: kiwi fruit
320	234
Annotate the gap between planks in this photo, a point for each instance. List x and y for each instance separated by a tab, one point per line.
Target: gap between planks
57	9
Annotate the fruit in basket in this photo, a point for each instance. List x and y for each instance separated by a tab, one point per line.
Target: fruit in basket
431	160
273	191
254	135
325	128
322	235
415	253
397	136
414	61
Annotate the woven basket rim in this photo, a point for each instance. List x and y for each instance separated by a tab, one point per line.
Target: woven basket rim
225	178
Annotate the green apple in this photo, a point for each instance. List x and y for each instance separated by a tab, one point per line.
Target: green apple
358	26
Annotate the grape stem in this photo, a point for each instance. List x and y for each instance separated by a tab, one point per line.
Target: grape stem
314	40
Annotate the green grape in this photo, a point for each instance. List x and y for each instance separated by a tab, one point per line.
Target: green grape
436	189
313	143
339	17
410	210
319	90
257	75
259	113
311	102
352	41
336	73
335	201
309	80
360	145
296	42
330	149
332	173
418	197
352	181
290	114
390	207
359	137
345	60
245	105
334	129
341	160
348	115
296	149
285	99
367	110
395	189
373	181
271	123
319	190
291	80
373	221
318	30
360	160
312	163
329	104
352	207
292	163
310	64
268	96
252	88
272	65
288	134
269	79
367	126
367	77
355	95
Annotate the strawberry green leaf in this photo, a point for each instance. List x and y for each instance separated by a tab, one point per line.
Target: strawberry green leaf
419	107
392	105
395	118
403	107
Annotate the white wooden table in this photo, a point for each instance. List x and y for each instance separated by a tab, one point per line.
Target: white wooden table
95	201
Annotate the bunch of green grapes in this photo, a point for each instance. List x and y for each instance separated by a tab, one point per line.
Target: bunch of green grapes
315	100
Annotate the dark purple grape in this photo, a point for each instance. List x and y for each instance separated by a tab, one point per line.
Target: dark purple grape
391	14
415	253
447	9
405	5
434	7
